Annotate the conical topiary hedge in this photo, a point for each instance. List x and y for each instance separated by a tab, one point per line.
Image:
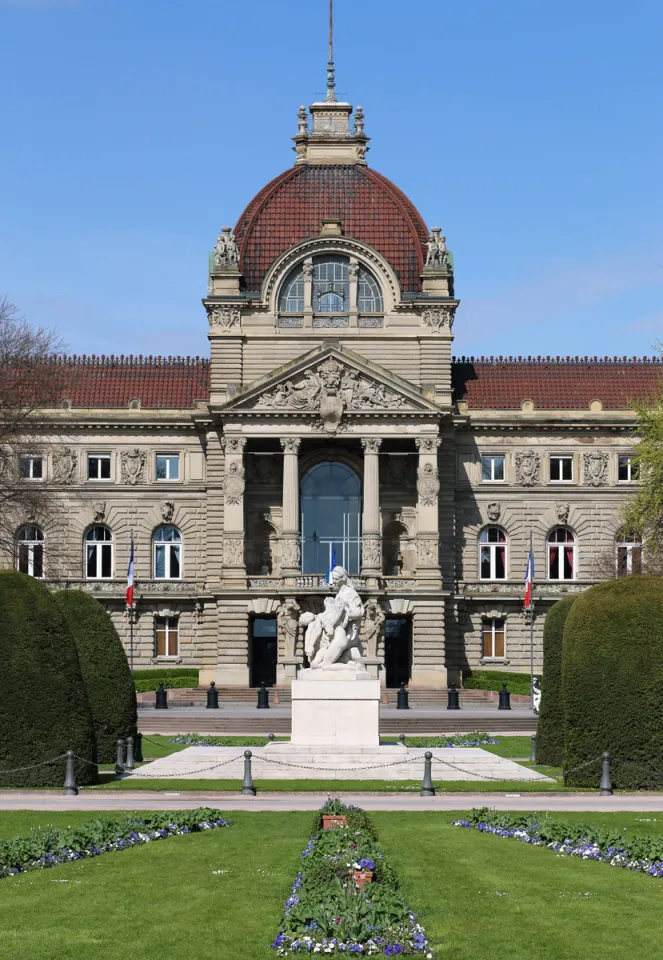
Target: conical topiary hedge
106	675
43	705
550	729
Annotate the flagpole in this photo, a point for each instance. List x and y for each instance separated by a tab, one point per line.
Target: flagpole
531	635
131	619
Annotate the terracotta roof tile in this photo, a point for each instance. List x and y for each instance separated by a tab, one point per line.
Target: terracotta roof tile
555	383
371	209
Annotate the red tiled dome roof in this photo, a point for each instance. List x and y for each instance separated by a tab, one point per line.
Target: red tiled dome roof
371	209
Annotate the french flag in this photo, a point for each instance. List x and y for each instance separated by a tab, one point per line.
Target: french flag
130	577
529	576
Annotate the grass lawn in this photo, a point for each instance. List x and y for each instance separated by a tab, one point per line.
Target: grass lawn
478	896
335	786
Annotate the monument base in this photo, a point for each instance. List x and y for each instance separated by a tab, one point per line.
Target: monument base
334	710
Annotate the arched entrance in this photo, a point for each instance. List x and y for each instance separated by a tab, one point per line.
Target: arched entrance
331	518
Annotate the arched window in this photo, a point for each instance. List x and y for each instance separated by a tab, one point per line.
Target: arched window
492	554
331	518
369	295
629	553
30	551
167	553
99	553
331	285
292	292
561	554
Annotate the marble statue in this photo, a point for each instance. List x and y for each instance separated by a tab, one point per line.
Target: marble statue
331	641
226	253
536	699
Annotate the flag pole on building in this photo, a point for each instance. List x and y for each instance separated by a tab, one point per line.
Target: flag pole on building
130	603
529	606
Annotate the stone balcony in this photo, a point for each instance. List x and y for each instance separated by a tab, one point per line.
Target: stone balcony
515	589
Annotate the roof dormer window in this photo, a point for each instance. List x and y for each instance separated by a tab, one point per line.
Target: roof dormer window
330	284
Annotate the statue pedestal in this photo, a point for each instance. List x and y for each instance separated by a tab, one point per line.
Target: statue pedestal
286	670
333	710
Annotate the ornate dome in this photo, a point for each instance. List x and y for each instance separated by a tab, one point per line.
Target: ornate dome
371	209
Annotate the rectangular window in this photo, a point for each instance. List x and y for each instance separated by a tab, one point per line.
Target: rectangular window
629	559
31	466
167	636
99	561
627	470
493	638
168	466
561	469
492	469
98	466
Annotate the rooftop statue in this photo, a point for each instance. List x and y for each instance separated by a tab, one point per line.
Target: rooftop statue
226	253
437	255
332	640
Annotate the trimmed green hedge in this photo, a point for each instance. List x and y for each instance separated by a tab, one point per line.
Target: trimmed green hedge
518	683
170	683
106	674
163	672
44	708
612	675
550	730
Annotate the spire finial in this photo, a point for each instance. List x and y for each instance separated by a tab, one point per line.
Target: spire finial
331	80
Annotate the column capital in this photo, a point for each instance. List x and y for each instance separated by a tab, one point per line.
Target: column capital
290	444
233	444
427	444
371	444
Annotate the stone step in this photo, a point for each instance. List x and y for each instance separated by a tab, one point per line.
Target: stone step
263	723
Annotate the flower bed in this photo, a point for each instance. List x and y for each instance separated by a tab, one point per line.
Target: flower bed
201	740
640	853
49	848
326	912
456	740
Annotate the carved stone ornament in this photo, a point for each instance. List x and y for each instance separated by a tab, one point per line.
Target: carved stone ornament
562	511
233	485
372	627
371	444
371	552
99	511
494	510
133	466
287	619
331	389
427	444
428	485
528	468
596	469
427	552
437	255
233	444
65	463
331	641
167	511
233	551
307	269
291	444
290	553
226	317
439	319
226	253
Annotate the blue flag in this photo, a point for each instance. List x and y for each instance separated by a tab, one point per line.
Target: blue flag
333	562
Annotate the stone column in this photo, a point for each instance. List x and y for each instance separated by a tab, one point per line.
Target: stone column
290	545
233	507
307	270
353	277
428	486
371	546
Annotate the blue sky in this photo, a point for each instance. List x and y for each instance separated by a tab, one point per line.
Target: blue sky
531	132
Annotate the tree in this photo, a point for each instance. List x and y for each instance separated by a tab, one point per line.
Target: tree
106	675
643	513
31	377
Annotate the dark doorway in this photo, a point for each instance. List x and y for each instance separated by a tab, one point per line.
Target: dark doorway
398	650
263	651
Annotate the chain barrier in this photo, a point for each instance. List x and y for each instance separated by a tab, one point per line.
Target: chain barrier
373	766
176	775
33	766
91	763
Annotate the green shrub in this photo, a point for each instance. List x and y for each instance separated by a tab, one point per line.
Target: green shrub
612	676
162	672
518	683
44	709
106	674
174	683
550	730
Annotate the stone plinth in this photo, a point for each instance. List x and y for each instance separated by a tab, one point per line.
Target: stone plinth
333	710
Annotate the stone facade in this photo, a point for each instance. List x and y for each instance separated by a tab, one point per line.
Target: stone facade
369	383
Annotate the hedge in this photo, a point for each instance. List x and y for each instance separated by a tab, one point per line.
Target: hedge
550	730
612	676
106	674
174	683
518	683
44	708
163	672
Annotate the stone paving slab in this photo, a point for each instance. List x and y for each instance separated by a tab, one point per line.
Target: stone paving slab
285	761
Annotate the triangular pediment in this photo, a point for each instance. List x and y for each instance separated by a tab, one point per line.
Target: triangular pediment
329	383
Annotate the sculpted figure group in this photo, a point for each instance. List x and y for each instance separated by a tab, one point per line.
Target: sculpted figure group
332	640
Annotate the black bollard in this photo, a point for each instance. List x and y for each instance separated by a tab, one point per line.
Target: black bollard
427	788
119	756
532	749
70	788
606	782
401	739
248	790
402	699
138	748
270	737
212	697
130	763
263	698
452	698
161	699
505	698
